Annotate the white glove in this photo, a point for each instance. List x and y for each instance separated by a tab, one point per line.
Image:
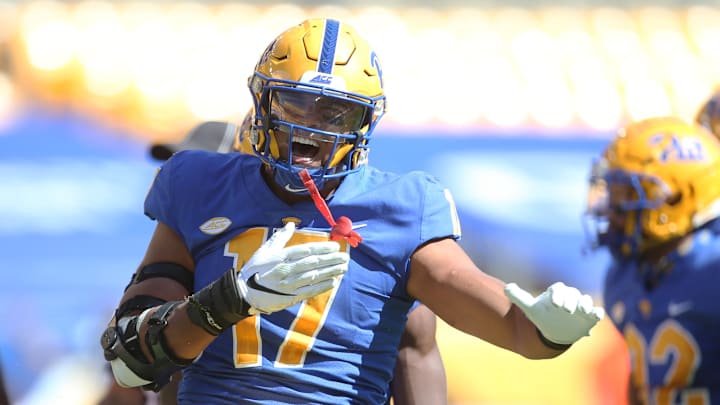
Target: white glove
562	314
277	277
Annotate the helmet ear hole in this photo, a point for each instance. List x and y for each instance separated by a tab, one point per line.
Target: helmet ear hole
674	199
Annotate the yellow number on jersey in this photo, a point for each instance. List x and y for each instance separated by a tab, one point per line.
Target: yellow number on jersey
670	341
311	315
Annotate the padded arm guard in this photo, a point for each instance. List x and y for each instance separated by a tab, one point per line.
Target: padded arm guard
121	348
218	305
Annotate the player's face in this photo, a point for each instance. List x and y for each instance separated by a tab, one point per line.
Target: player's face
310	120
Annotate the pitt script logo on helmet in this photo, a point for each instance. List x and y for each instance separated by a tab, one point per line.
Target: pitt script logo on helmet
658	180
317	66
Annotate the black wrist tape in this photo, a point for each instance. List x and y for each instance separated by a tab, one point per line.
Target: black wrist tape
218	305
550	343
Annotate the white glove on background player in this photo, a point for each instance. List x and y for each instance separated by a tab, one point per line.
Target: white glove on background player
277	277
561	313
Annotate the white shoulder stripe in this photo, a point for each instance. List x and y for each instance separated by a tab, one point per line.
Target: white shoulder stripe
453	214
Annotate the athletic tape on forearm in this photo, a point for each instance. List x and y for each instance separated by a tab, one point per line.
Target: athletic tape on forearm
219	305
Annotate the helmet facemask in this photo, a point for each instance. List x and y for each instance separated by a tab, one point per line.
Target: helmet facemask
709	114
621	204
320	131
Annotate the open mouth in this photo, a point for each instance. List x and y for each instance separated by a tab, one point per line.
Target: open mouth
304	150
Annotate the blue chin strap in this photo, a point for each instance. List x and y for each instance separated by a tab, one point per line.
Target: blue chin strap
288	177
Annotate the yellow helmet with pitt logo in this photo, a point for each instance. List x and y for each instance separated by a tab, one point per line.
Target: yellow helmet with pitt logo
657	180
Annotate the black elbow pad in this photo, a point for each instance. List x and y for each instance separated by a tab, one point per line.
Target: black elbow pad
121	348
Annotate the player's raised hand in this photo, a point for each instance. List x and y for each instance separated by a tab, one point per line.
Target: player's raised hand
277	277
562	314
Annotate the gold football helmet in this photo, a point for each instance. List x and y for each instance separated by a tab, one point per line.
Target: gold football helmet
658	180
318	83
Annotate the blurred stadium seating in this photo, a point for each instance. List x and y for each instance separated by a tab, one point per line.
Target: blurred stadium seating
506	102
163	66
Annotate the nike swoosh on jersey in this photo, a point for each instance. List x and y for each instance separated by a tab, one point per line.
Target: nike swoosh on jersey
678	308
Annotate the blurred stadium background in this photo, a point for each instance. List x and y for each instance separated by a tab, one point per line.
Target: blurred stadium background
506	102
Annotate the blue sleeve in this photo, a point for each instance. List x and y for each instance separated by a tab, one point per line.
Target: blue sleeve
159	199
189	189
439	214
438	218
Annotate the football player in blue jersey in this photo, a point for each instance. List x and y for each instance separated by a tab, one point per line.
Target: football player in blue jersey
419	375
654	199
709	114
287	275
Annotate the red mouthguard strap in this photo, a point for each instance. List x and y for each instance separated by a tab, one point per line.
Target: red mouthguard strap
342	229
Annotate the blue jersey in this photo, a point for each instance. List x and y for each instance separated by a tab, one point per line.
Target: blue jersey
337	348
670	318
